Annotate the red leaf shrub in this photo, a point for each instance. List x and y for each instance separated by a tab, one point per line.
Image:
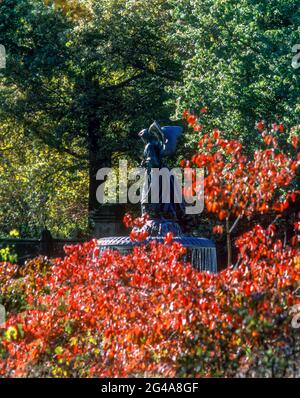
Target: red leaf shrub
148	313
238	186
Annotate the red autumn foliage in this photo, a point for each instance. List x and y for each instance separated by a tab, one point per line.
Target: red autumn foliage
148	313
236	185
218	229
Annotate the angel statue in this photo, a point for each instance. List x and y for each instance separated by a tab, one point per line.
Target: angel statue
160	142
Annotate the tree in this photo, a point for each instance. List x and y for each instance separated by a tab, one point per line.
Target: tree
237	60
84	82
40	187
237	185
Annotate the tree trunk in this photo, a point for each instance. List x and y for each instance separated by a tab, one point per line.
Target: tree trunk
97	160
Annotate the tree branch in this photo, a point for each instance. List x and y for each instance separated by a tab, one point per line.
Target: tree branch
125	82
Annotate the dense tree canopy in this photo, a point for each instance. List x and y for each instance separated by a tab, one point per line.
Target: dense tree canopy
83	77
40	187
84	84
237	59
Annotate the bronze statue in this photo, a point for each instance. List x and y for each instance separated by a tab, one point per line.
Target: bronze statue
160	142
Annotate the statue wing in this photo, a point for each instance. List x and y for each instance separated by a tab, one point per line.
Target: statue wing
168	136
171	135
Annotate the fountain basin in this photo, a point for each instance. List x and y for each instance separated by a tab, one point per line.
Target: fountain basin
201	252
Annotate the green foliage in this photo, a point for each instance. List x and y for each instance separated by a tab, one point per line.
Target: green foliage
237	60
85	85
83	77
7	254
40	186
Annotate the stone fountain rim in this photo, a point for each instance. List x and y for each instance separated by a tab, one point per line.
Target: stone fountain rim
186	241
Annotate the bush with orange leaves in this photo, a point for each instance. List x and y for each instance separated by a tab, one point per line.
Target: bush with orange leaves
148	313
239	186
